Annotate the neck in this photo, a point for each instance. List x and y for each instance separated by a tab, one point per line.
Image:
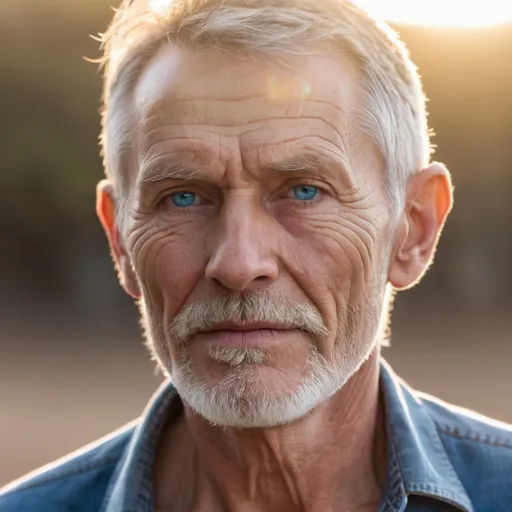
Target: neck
333	459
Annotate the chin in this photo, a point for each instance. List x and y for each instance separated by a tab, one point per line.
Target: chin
257	396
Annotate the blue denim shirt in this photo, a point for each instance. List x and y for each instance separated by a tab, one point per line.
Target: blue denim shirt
441	459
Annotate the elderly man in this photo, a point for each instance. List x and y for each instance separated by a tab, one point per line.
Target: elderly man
268	188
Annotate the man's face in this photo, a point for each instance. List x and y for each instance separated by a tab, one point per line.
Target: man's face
258	230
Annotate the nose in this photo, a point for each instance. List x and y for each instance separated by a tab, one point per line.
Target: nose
244	253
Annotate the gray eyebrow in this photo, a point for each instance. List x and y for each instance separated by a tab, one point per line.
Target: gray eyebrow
168	171
174	171
308	164
295	164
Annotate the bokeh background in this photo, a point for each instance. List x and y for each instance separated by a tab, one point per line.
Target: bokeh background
72	364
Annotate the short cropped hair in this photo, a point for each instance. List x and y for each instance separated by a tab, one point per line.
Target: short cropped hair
393	113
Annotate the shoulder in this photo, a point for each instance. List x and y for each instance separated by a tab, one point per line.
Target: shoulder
76	482
479	449
462	425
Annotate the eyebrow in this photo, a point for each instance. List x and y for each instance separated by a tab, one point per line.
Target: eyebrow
309	164
175	171
168	171
294	164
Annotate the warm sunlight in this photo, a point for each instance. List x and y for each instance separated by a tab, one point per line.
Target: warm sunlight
421	12
158	6
441	12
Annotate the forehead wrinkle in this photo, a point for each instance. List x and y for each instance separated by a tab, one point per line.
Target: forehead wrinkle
307	156
203	111
335	120
185	157
244	137
198	147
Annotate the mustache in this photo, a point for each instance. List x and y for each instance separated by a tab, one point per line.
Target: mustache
204	315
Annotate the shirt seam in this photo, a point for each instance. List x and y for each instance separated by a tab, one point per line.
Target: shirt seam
399	486
469	435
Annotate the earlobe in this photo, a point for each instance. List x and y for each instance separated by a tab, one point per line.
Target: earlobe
428	202
106	211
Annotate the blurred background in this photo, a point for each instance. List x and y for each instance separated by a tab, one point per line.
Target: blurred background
72	364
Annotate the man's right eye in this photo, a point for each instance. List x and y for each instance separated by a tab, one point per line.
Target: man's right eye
182	199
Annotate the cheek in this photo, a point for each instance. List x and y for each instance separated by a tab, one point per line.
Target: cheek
169	261
337	248
333	258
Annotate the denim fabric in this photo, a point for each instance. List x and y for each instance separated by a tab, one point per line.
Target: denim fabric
441	458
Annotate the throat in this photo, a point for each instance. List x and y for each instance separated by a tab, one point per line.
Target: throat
333	459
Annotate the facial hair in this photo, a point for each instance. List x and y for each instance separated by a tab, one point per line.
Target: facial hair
232	402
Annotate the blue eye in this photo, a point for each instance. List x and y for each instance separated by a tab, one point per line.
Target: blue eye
183	199
305	192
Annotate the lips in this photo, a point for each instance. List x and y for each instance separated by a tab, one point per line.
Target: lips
249	326
246	335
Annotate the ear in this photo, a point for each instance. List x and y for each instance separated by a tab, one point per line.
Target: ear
106	211
429	200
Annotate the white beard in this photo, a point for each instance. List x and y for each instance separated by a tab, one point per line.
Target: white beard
236	401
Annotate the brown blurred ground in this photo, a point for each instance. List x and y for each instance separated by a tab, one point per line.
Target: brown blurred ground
58	394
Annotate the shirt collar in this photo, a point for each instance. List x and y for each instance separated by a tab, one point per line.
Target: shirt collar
131	486
418	463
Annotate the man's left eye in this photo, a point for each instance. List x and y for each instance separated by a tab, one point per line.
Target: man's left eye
304	192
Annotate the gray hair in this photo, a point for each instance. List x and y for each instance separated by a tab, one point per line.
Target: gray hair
393	113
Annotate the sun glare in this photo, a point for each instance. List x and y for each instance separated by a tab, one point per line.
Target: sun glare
159	6
456	13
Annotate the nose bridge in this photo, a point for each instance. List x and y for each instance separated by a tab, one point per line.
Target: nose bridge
238	214
243	250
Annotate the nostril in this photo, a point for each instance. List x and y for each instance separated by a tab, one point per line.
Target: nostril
217	281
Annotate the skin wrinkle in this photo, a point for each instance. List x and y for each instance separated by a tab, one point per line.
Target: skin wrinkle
336	121
366	244
326	223
365	255
164	105
148	276
137	242
338	157
255	130
249	132
146	162
249	236
167	239
337	145
339	160
192	171
304	285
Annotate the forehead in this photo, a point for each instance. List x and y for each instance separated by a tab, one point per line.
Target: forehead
175	74
182	94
